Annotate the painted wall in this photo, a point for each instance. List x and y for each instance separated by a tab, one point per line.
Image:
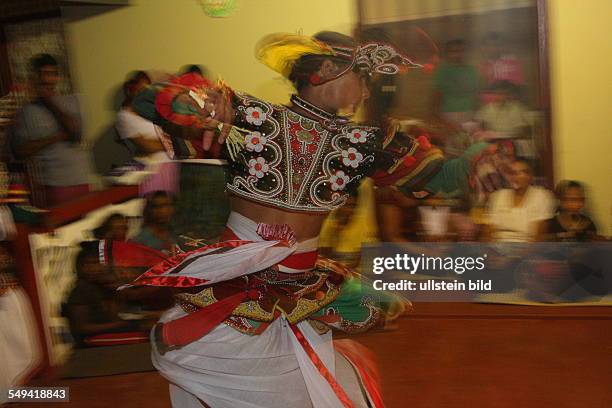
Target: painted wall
581	67
167	34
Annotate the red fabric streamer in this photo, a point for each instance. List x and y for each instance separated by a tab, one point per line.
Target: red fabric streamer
113	339
303	260
190	328
130	254
364	363
340	393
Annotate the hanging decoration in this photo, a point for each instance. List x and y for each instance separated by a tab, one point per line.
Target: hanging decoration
218	8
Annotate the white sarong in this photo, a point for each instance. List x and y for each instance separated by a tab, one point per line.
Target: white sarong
229	369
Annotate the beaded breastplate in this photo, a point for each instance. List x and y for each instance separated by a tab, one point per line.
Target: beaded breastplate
295	163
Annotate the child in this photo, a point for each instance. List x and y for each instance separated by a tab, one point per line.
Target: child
93	306
569	223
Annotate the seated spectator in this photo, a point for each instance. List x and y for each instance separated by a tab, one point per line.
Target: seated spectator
569	224
506	117
569	272
156	231
144	139
114	228
49	130
93	305
434	220
442	219
514	213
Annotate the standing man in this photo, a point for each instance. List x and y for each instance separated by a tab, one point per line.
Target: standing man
48	130
456	86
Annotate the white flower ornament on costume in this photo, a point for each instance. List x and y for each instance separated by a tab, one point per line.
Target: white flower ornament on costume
255	116
351	157
358	136
258	167
255	142
339	180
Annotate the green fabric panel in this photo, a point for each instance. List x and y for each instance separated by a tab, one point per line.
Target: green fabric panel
183	108
202	207
144	104
453	178
350	303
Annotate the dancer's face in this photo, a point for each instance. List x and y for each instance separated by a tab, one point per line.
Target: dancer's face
347	92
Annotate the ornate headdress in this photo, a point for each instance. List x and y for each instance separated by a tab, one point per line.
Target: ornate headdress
281	51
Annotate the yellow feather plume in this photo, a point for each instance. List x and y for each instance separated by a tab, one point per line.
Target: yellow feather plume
280	51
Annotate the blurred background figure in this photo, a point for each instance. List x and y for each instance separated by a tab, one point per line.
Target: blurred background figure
156	231
19	347
92	307
443	219
397	216
349	227
114	228
568	271
98	314
505	117
456	87
505	122
48	131
194	69
499	65
514	213
569	224
144	139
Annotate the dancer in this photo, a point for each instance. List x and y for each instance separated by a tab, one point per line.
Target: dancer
252	328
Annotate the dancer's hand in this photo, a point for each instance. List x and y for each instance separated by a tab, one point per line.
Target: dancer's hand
214	113
220	119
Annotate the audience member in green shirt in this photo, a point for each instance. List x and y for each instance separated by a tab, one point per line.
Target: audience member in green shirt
456	87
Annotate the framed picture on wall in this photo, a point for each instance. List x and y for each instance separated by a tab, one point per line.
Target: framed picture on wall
29	38
484	72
